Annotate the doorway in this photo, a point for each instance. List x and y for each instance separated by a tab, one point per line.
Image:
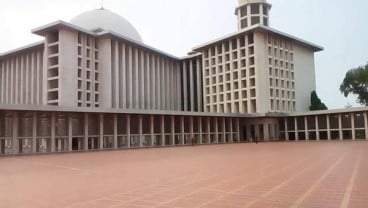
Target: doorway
2	146
75	144
20	146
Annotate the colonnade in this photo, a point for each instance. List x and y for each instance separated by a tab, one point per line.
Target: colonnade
333	126
23	132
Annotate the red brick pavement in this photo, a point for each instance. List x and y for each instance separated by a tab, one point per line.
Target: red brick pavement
308	175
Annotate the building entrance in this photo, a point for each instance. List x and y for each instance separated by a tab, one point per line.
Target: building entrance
75	144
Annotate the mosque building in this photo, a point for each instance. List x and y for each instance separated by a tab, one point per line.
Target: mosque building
93	84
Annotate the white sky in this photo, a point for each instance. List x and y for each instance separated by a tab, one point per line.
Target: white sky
176	26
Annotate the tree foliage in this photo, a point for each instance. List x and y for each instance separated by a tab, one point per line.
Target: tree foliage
356	83
316	103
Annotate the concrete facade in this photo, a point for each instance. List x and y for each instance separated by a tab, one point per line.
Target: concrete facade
89	86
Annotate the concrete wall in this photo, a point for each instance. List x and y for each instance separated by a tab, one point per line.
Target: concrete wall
262	77
141	79
105	76
68	68
305	81
21	77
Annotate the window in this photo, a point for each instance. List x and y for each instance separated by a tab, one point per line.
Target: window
265	10
255	20
243	11
254	9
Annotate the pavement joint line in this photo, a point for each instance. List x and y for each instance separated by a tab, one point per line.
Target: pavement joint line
285	182
311	188
232	193
49	165
168	189
349	188
137	189
254	182
221	182
201	189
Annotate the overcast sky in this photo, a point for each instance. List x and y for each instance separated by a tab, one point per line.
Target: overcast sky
175	26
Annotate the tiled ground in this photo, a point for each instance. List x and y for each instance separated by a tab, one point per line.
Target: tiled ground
317	174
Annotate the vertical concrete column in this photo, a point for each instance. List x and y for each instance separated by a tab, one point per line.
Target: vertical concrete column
231	130
261	12
85	131
130	79
101	135
208	124
147	79
15	146
266	132
115	138
328	127
286	129
296	129
34	132
172	125
352	115
191	128
199	83
128	130
153	82
185	88
182	130
53	115
162	130
341	135
136	88
140	129
306	128
366	124
216	131
191	87
70	132
237	129
317	128
123	77
200	130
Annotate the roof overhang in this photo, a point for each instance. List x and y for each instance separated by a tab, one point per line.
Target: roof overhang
54	26
49	108
22	49
258	27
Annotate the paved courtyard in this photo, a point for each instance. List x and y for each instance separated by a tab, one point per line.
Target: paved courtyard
316	174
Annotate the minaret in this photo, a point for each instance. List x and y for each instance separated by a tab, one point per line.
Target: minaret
252	12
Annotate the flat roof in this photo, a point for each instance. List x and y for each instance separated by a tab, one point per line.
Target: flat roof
48	108
333	111
22	49
259	27
68	26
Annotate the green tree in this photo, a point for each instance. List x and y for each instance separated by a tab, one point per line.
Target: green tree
316	103
356	83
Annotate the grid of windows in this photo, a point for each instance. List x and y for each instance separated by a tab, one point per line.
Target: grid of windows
52	42
281	74
88	71
229	76
252	14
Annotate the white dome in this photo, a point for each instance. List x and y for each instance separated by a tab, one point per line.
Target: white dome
102	19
